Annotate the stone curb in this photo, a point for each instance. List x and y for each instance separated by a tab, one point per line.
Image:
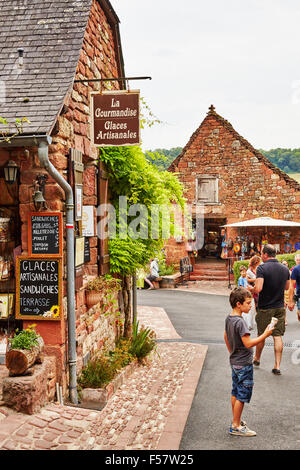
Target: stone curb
176	421
100	396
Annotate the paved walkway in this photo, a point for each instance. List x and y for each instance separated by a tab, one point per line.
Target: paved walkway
207	287
149	411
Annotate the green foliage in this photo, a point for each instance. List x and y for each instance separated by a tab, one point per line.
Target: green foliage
104	283
236	269
7	133
131	176
104	367
287	160
147	118
97	373
162	158
24	339
143	341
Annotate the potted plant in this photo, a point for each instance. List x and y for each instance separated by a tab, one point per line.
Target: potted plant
98	287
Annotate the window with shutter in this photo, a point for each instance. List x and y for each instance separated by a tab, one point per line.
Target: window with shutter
207	190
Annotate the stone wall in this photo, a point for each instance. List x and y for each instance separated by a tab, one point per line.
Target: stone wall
249	185
98	59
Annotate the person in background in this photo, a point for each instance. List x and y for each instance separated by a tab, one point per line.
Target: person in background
295	284
254	262
286	294
243	277
272	279
154	273
244	283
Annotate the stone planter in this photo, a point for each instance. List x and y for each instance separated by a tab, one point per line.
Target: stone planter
93	297
97	398
170	281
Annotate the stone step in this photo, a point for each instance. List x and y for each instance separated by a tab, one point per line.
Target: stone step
208	277
211	272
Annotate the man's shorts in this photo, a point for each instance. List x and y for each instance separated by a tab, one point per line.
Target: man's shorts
263	319
151	278
242	382
298	304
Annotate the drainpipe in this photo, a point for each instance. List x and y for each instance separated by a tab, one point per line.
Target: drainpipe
45	163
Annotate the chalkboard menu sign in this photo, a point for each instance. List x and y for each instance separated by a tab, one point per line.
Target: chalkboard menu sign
45	234
38	288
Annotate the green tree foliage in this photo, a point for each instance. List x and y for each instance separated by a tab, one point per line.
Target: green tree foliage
162	158
132	176
287	160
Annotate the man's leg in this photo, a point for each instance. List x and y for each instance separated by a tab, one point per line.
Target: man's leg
149	282
278	348
259	350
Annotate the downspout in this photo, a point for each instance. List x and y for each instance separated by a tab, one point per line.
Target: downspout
45	163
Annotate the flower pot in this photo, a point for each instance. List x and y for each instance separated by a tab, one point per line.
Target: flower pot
93	297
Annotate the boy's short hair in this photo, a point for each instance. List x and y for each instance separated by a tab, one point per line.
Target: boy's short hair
239	294
243	268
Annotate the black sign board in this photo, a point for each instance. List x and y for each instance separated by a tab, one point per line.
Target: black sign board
45	234
38	288
87	253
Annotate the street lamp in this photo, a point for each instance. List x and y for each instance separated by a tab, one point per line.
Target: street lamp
10	172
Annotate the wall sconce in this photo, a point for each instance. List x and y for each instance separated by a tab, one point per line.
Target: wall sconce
38	195
10	172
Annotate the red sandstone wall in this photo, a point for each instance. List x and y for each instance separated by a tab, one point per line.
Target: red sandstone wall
72	130
247	187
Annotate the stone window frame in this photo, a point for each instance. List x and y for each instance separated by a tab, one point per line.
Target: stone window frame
216	189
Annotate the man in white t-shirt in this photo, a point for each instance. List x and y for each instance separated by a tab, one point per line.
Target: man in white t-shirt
154	274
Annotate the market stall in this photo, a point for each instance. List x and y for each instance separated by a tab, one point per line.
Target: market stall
244	239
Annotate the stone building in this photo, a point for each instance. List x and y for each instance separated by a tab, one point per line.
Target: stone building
233	181
45	47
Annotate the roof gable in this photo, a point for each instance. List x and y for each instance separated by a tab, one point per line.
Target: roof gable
212	113
51	33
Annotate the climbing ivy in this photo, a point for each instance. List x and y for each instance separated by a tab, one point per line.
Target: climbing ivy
133	177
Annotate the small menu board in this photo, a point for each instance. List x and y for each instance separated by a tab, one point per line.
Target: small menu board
45	234
38	288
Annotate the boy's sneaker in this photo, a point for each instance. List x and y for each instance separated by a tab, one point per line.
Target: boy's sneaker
241	431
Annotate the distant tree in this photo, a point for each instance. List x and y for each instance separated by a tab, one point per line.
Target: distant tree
287	160
162	158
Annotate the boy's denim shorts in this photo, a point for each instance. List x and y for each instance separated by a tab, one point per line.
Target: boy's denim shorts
242	382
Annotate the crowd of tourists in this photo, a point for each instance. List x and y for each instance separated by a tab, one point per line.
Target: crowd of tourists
265	291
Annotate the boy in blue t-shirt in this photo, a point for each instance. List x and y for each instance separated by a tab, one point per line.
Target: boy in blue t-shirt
243	279
239	345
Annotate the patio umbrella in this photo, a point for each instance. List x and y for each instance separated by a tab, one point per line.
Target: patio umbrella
264	222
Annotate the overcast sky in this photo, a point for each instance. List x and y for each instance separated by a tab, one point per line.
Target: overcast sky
241	56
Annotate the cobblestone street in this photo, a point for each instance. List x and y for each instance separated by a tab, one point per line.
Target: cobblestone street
148	411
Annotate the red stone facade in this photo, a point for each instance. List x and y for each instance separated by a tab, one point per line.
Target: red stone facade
98	59
247	184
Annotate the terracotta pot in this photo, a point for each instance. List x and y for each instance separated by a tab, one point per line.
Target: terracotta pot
93	297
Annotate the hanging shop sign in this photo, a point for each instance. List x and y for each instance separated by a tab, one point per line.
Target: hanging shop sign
115	118
38	288
45	234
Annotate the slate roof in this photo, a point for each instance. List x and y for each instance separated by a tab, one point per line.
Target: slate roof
51	33
243	141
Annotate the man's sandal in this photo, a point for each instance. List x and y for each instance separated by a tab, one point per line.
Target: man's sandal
256	363
276	371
